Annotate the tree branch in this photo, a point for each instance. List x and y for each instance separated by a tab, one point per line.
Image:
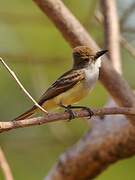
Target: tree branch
5	166
111	32
128	29
128	46
123	41
75	34
9	125
126	14
31	59
105	143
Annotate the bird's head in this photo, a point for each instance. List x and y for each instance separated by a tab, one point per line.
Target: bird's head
83	56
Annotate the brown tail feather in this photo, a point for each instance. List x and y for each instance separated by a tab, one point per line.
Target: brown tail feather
26	114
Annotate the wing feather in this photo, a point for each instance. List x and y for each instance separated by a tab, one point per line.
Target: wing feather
62	84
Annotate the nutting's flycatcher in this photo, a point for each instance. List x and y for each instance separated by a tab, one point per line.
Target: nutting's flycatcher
73	85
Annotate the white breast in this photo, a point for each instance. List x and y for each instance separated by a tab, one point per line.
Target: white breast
92	74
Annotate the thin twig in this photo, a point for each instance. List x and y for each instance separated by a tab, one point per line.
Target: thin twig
21	86
123	41
127	13
20	18
5	166
31	59
128	29
6	126
128	46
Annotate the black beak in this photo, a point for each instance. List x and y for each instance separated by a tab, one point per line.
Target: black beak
100	53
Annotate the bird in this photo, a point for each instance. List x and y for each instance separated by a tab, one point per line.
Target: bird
73	85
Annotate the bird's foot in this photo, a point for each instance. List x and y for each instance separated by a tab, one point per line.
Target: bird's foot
69	111
91	113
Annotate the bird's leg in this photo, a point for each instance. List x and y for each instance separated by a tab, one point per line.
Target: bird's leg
69	110
91	113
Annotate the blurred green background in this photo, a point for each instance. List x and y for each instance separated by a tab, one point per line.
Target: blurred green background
37	52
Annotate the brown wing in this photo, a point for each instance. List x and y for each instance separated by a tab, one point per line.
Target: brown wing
63	83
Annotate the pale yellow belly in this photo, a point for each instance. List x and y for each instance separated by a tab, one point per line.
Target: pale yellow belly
71	96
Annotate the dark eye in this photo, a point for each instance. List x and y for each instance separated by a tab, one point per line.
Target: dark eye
86	59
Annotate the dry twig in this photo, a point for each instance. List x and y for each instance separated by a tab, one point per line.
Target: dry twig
126	14
128	46
123	41
21	86
31	59
5	166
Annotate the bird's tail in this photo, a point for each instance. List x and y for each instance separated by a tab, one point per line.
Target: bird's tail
26	114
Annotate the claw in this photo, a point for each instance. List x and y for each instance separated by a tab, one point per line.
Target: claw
69	110
71	113
91	113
